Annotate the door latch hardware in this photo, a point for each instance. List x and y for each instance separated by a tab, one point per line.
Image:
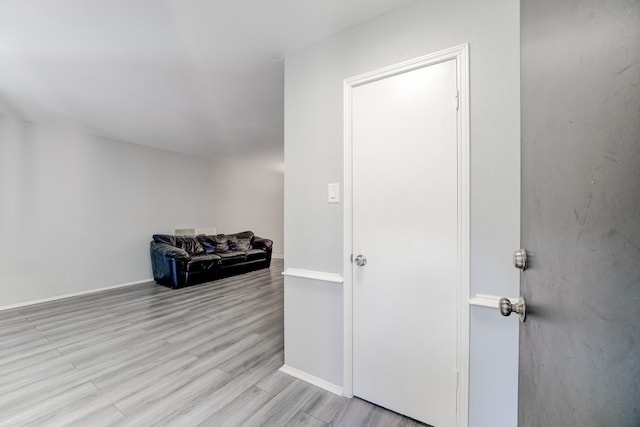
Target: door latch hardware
520	259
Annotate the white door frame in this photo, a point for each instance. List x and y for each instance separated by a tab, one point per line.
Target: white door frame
461	55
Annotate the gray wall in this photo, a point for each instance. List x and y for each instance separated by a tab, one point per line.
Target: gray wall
249	196
77	211
313	158
580	352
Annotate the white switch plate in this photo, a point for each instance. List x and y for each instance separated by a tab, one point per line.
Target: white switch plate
334	193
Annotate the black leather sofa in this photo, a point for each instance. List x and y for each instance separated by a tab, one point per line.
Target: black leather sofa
186	260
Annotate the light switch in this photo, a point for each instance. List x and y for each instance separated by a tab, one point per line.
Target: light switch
334	193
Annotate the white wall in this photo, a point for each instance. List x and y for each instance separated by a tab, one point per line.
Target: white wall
313	157
77	211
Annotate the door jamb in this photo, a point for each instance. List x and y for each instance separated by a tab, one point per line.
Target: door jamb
460	54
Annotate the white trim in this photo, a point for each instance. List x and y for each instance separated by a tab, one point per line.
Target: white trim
461	55
315	275
75	294
311	379
488	301
277	256
347	242
464	221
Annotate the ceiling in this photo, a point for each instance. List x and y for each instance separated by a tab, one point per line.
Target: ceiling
202	77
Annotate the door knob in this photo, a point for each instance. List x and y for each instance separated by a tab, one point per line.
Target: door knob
360	260
507	307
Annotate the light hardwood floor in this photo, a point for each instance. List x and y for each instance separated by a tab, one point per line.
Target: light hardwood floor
148	355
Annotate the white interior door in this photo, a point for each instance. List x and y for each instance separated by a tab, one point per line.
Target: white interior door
405	222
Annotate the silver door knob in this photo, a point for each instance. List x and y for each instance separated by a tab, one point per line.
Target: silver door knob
520	259
360	260
507	307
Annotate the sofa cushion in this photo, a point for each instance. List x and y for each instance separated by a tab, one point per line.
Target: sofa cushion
189	244
231	257
202	263
238	244
255	254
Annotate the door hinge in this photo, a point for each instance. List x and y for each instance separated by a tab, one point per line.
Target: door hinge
457	379
457	100
351	258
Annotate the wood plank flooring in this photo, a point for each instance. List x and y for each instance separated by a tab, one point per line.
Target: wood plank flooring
146	355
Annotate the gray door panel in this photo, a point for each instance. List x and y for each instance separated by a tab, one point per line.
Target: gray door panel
580	345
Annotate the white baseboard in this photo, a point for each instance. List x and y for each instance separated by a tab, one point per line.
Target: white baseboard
311	379
75	294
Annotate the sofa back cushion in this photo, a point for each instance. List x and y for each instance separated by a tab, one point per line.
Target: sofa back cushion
213	244
209	243
165	238
238	244
190	244
244	235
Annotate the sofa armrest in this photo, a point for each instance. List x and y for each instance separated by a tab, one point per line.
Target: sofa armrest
169	264
265	245
169	251
260	243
